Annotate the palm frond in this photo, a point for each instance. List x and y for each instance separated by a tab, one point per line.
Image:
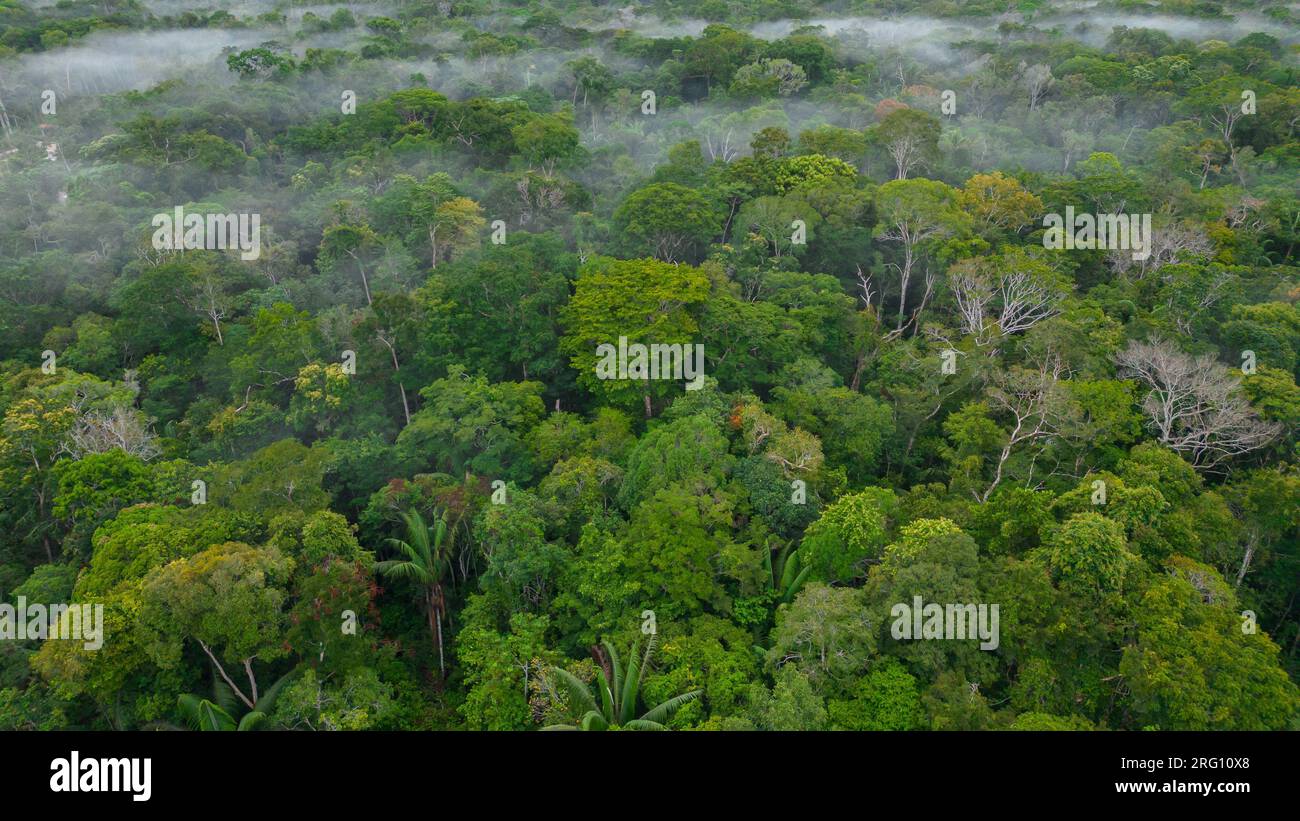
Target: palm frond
188	706
665	711
222	694
631	684
643	724
786	567
417	534
594	721
252	720
266	702
579	694
440	533
645	662
796	585
407	550
403	570
606	697
202	714
614	669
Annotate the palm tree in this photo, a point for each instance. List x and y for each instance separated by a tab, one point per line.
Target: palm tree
617	703
219	712
427	551
785	576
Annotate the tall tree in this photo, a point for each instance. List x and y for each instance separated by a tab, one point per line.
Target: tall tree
426	560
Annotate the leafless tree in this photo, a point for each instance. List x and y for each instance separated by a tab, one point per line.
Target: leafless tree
995	297
1224	117
907	151
102	431
1037	80
1195	404
722	149
972	289
912	227
864	285
1036	404
1075	144
6	125
1174	242
207	296
538	192
1245	214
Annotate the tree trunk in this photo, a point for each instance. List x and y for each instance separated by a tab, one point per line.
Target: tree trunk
365	283
406	407
857	373
434	600
252	682
904	276
1245	560
442	667
222	671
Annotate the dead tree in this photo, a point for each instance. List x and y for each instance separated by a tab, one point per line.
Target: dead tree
1194	404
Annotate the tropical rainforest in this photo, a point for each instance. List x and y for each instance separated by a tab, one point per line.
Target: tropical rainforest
370	472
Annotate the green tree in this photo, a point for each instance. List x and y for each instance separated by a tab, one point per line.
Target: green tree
850	533
886	698
667	221
1192	665
229	599
648	302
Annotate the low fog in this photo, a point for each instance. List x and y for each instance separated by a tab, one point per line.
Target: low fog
114	62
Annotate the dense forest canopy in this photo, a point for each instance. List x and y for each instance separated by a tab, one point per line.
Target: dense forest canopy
327	333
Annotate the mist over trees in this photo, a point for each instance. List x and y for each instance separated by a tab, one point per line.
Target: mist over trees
359	463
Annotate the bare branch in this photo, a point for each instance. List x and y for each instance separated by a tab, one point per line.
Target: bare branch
1195	404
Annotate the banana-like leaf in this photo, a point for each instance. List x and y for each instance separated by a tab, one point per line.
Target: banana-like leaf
215	718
